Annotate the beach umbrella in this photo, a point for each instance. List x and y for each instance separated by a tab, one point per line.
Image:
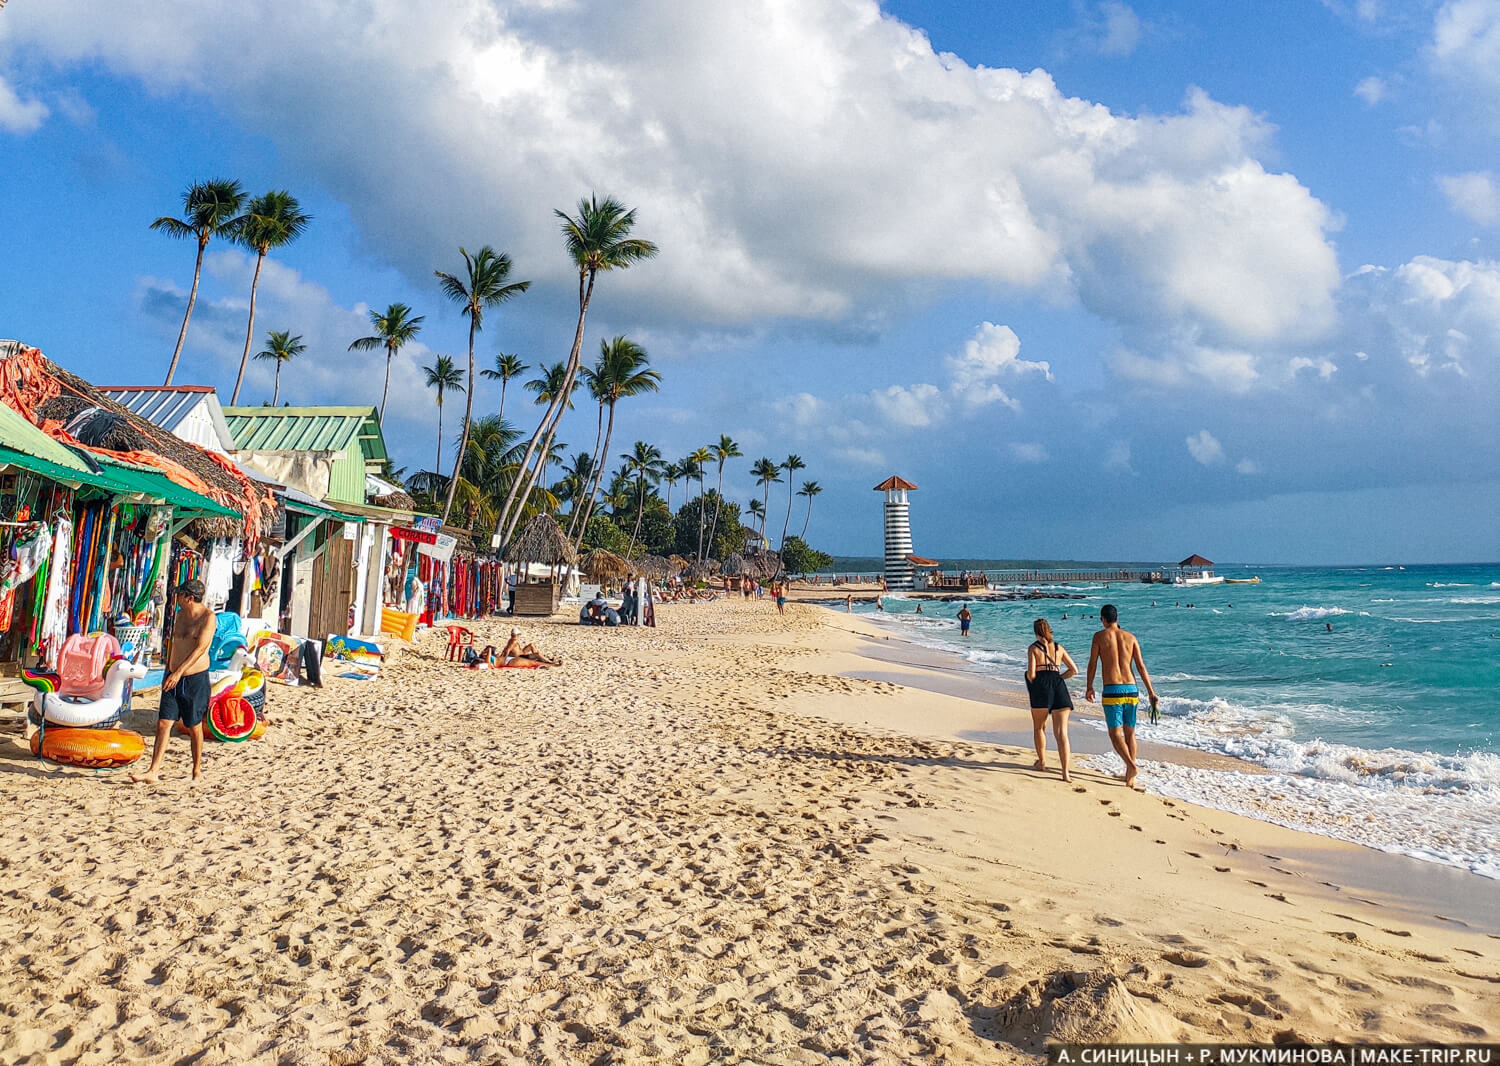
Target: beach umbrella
601	565
678	563
541	541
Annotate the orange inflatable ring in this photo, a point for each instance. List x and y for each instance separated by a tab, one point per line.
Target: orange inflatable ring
97	749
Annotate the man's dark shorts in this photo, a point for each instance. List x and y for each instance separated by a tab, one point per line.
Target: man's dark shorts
186	701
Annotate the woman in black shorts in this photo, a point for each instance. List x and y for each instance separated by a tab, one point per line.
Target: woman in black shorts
1048	667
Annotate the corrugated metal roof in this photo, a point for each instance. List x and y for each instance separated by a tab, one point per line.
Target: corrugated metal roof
306	429
165	406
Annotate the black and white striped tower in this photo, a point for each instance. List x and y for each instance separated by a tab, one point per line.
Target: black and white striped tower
898	565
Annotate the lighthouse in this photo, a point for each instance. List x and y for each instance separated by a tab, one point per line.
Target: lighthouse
898	565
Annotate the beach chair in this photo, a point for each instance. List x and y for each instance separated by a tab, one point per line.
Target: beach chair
459	638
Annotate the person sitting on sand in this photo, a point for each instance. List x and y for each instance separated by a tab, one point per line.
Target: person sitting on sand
1119	652
592	613
1046	684
514	650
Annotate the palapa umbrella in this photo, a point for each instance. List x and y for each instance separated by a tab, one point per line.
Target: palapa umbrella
734	565
702	571
541	541
652	567
602	565
678	563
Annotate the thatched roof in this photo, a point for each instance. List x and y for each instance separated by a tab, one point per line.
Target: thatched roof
679	564
600	564
69	408
702	571
400	500
1195	560
541	541
733	566
653	567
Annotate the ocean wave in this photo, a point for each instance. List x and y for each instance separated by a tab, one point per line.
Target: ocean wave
1305	614
1475	599
1450	585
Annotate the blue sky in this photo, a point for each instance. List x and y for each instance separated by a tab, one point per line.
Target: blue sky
1106	280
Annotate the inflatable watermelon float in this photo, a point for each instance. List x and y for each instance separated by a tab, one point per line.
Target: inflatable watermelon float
231	718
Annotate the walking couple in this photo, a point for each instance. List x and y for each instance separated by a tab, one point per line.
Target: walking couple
1048	667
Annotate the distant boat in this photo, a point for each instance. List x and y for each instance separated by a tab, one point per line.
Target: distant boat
1242	580
1199	579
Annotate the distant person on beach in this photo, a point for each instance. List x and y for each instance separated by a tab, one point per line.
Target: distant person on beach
514	650
1048	667
919	608
185	689
1119	654
779	590
1328	626
879	603
964	618
848	604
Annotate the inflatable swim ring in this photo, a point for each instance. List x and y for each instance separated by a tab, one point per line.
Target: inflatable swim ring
231	719
93	748
63	710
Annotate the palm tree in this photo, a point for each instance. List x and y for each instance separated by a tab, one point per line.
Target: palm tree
758	510
486	283
671	475
283	348
209	209
506	367
271	221
597	239
393	330
701	458
645	462
549	390
620	371
767	473
726	449
793	464
808	489
444	376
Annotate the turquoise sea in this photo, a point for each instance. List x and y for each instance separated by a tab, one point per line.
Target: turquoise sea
1384	731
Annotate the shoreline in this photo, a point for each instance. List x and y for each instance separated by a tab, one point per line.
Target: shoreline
696	841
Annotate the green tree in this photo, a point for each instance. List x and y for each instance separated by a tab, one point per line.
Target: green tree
730	537
767	473
597	239
484	284
645	464
808	489
671	475
274	220
444	376
394	329
602	533
506	367
792	464
725	450
281	347
620	371
798	558
209	209
758	512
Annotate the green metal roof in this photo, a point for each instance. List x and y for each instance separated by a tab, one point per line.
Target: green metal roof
19	435
307	429
155	484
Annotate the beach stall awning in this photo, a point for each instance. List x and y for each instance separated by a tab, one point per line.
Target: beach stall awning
156	485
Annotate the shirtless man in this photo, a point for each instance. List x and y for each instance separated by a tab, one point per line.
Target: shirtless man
184	691
1120	654
514	649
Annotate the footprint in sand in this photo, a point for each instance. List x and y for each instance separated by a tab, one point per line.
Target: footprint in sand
1189	959
1222	869
1114	814
1194	854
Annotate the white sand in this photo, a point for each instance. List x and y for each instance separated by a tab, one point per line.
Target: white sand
654	854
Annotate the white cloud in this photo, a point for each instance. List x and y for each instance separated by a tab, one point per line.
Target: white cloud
810	160
1324	368
856	456
1028	452
1426	317
912	406
1204	448
1187	364
18	115
1114	29
1465	50
1473	195
801	409
1371	90
1248	467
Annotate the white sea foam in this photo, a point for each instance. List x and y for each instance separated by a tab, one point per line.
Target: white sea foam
1449	585
1305	614
1475	599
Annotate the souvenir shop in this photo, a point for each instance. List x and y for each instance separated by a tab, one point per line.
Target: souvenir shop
437	575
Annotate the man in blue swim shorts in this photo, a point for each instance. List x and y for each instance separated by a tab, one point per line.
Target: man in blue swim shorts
1119	653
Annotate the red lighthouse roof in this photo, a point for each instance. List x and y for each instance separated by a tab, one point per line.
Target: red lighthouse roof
894	482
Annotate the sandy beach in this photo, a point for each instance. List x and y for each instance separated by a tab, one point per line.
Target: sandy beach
737	837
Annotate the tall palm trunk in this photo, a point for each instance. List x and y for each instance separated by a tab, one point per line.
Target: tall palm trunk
276	389
790	496
463	438
234	397
509	513
640	509
765	511
192	299
806	519
588	481
718	506
438	466
390	353
702	505
597	478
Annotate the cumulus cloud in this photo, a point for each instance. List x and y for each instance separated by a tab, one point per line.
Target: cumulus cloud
1371	90
1429	317
911	406
1465	50
18	115
1111	28
808	161
1203	447
1473	195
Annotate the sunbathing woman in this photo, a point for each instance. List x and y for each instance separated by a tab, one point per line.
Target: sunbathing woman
514	649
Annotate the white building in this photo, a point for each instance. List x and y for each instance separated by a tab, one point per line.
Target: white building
898	564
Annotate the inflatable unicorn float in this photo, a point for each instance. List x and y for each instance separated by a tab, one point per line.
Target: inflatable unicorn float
78	708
